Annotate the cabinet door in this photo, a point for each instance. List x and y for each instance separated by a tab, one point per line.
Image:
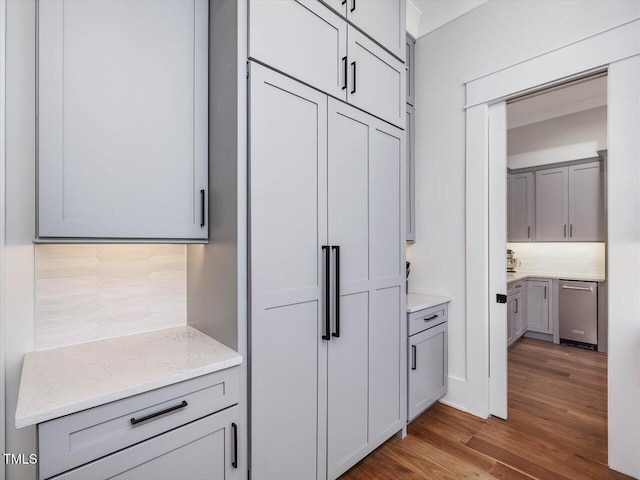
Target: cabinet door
301	38
520	207
382	20
410	61
411	173
518	315
552	196
376	79
586	202
122	119
428	368
288	202
348	178
201	450
538	306
387	304
511	308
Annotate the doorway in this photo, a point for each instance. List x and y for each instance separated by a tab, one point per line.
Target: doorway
486	127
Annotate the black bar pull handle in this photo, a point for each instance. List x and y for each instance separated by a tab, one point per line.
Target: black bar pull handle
414	357
327	295
336	333
353	71
432	317
202	208
565	229
571	230
344	2
344	67
529	232
353	5
135	421
516	305
234	430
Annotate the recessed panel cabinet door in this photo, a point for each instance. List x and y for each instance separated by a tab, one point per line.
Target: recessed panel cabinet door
301	38
387	324
376	79
382	20
520	207
122	119
586	202
288	198
411	173
537	310
348	172
551	205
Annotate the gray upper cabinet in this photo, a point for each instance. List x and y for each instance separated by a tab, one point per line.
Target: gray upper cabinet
410	61
376	79
122	120
552	214
382	20
411	173
520	207
586	202
570	203
312	43
303	39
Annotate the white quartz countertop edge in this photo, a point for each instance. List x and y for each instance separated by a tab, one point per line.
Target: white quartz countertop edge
517	276
28	414
421	301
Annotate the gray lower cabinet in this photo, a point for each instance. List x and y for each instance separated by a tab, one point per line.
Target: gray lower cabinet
428	369
202	450
122	120
538	309
186	430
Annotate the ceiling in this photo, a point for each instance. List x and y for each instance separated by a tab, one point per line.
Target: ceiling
424	16
558	102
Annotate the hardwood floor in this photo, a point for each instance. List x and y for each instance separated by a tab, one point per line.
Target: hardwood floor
557	427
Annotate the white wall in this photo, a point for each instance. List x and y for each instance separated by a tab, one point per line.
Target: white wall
493	36
570	137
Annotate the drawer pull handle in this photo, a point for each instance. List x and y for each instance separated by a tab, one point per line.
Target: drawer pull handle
432	317
135	421
234	428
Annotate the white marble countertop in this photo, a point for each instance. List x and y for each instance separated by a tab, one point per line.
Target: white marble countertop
522	275
420	301
66	380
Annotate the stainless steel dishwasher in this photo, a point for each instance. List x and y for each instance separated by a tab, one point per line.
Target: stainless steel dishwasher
579	313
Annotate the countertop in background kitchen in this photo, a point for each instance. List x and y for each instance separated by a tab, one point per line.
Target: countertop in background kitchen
522	275
420	301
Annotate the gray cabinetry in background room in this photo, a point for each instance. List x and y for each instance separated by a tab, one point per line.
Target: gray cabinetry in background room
520	207
411	173
122	120
570	203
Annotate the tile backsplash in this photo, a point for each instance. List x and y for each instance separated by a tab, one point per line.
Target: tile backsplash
564	258
92	292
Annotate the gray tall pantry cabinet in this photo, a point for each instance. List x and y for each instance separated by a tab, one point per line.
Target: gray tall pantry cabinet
327	232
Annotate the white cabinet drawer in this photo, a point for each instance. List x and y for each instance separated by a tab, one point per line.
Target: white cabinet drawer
202	450
77	439
427	318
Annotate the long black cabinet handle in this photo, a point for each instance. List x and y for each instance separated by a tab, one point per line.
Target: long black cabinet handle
344	67
202	208
135	421
432	317
336	333
327	295
353	5
353	71
234	429
414	359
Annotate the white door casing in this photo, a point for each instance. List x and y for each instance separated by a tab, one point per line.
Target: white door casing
618	50
497	258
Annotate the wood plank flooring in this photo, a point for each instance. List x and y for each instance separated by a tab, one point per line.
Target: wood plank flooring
557	427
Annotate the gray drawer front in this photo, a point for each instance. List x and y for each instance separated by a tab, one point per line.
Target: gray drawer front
427	318
515	287
73	440
198	451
